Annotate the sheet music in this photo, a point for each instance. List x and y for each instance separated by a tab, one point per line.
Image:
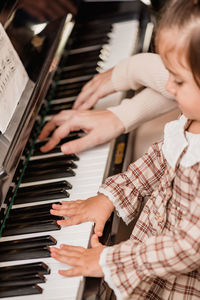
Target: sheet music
13	79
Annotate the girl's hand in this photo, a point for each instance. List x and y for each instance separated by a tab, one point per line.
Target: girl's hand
98	87
96	209
84	262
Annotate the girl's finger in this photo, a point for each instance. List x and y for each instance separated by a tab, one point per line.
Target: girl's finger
71	221
77	271
62	257
95	241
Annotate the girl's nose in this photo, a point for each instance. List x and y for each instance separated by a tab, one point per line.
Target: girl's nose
170	86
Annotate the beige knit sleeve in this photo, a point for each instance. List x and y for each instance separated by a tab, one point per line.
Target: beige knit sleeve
144	106
141	70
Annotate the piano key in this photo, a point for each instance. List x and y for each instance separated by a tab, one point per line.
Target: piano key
20	291
24	269
55	150
32	227
54	109
56	192
30	279
42	196
59	157
75	79
20	254
45	240
60	172
27	220
78	72
70	137
73	85
80	66
48	165
39	188
30	210
91	28
65	92
21	218
80	57
51	162
98	40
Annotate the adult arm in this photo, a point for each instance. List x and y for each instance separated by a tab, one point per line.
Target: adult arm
140	70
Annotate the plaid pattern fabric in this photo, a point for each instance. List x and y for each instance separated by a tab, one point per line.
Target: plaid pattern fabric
161	260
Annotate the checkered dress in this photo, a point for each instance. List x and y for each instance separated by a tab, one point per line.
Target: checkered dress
161	260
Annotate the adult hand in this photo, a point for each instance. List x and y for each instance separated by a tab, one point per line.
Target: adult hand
99	126
84	262
98	87
97	209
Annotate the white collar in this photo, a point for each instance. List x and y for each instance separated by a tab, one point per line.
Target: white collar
176	140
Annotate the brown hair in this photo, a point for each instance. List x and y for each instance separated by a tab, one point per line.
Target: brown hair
184	15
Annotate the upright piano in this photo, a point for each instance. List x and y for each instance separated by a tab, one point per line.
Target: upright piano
60	52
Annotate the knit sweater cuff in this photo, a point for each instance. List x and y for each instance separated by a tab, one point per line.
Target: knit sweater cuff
143	107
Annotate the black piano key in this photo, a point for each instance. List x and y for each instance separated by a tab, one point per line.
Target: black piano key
78	72
65	92
53	173
38	196
31	209
20	291
91	37
45	187
79	57
46	240
42	192
80	66
55	108
9	281
55	150
61	159
92	28
35	166
68	138
24	269
69	91
28	244
23	254
92	41
33	227
26	219
69	86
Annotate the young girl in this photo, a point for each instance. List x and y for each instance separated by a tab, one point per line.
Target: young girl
161	260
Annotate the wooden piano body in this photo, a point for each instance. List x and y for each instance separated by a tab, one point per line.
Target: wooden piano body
60	55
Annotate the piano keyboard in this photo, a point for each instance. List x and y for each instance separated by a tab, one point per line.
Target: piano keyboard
85	179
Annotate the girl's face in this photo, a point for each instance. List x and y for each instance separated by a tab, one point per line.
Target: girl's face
180	82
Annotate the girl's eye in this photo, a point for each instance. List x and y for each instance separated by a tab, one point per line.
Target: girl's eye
178	82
